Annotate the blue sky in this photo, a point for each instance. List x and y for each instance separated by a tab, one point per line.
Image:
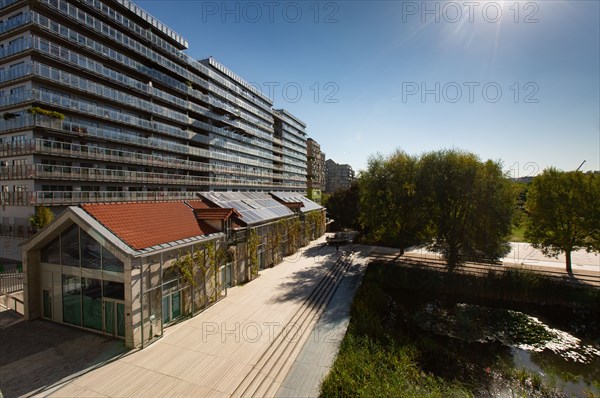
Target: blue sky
512	81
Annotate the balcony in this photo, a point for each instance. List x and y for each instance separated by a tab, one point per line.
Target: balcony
71	173
50	198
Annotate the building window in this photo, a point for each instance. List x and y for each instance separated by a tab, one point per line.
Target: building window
71	295
91	303
91	252
114	290
51	252
75	247
70	246
110	262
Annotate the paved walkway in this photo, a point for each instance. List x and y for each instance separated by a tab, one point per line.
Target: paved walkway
208	355
320	350
525	255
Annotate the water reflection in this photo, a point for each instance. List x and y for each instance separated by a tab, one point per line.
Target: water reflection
558	356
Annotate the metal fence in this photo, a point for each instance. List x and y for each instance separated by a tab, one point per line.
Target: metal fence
11	278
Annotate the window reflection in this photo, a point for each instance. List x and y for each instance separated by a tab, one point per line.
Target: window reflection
115	290
90	252
110	262
92	303
71	289
51	253
75	247
70	246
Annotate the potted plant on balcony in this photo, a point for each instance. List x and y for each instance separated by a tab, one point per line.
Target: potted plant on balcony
53	116
43	216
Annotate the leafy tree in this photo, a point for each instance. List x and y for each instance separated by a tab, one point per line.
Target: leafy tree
342	206
449	200
564	213
469	205
43	216
390	201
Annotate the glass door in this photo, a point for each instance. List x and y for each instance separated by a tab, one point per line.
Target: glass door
47	297
114	317
171	304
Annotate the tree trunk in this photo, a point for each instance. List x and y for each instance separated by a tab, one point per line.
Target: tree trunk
452	258
568	261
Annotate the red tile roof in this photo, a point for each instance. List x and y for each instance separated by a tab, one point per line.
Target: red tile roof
215	214
146	224
198	204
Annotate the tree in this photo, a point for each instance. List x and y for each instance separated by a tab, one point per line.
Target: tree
564	213
469	205
449	200
43	216
342	206
390	201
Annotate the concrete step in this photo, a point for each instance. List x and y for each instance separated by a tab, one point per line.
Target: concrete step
274	364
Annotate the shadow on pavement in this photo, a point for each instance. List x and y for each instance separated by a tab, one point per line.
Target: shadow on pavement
298	286
38	354
302	282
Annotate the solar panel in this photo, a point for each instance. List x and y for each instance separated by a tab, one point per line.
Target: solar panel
253	206
288	197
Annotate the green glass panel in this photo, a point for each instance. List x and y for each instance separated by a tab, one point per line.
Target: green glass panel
120	320
47	304
176	304
92	303
109	317
71	297
165	310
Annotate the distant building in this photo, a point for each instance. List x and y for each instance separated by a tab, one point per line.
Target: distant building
337	176
315	170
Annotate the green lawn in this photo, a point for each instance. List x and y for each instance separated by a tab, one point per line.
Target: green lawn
517	234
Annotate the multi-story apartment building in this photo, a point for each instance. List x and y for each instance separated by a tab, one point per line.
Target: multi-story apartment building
289	151
315	170
99	102
337	176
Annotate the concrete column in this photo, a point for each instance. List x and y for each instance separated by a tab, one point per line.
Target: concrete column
32	285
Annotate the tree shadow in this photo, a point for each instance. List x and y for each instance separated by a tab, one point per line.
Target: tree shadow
37	355
303	282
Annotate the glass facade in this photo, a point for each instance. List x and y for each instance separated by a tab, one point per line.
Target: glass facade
92	290
92	304
75	247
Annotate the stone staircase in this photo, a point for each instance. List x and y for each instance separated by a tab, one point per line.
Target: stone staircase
272	367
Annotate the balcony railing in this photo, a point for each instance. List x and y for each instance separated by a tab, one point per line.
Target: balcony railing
66	173
88	174
63	198
67	149
49	198
6	3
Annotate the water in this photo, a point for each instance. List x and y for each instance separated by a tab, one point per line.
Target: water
559	357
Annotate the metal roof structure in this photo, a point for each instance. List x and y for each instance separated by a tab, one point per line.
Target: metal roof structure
254	207
291	197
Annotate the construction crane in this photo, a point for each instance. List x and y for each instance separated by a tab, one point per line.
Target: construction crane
580	165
